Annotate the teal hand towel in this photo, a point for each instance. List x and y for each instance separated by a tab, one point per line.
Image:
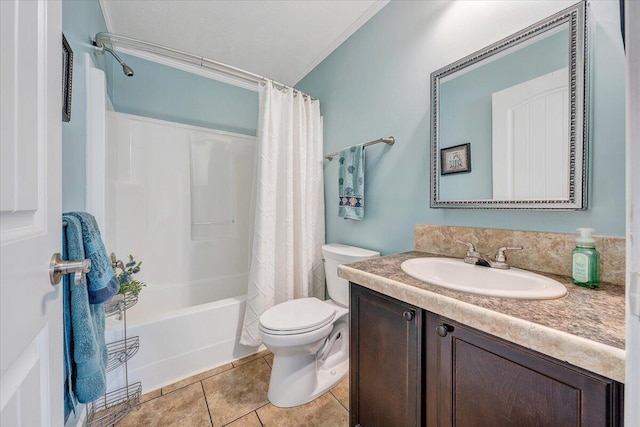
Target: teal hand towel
102	282
88	349
70	400
351	182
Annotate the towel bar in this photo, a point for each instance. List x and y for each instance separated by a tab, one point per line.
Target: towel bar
389	140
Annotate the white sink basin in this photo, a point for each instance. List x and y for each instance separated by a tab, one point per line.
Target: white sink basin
457	275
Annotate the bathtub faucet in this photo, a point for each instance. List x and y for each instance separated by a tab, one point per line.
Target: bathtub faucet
116	263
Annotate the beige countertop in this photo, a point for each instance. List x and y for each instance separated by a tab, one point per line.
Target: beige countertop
585	327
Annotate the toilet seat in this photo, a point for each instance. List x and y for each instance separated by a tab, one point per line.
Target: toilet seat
297	316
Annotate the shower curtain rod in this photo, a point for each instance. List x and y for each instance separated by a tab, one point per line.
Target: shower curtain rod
116	40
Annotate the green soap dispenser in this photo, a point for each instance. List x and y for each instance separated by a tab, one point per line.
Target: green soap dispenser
585	260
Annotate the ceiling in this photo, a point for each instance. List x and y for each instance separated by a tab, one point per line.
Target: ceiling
282	40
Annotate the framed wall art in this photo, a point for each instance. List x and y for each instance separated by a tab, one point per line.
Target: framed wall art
67	74
455	159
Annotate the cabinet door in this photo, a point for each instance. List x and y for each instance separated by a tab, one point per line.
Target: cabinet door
385	371
485	381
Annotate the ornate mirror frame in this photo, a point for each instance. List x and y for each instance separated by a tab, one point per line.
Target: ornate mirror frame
576	17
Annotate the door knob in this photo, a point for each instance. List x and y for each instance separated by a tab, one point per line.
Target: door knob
408	315
58	268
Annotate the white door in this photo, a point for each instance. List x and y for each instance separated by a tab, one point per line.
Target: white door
529	129
31	387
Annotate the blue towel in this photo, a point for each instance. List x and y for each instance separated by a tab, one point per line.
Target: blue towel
85	347
103	283
70	400
351	182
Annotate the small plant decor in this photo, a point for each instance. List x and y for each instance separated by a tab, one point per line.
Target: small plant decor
126	280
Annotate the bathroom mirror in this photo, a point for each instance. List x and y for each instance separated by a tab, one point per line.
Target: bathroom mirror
509	122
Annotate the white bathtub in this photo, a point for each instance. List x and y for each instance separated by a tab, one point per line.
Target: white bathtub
183	330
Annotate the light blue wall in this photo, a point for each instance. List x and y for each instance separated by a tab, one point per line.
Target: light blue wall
167	93
377	84
466	109
81	20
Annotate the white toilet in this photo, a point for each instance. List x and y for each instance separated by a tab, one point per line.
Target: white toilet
309	337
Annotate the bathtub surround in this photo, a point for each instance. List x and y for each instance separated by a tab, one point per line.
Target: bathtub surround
288	234
544	252
191	227
152	186
212	180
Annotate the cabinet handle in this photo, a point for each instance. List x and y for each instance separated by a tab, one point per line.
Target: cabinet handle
442	330
408	315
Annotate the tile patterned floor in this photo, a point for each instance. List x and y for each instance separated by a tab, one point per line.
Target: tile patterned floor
235	395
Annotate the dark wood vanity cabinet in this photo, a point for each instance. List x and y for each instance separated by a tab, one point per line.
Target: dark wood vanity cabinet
424	370
474	379
385	361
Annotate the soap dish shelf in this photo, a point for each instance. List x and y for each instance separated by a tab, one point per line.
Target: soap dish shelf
113	406
118	352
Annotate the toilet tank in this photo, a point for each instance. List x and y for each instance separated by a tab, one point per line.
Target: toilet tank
335	254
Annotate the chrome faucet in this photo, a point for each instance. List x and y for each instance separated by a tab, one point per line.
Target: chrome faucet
499	261
472	255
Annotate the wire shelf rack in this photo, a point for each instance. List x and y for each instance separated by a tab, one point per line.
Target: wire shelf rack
113	406
118	352
120	303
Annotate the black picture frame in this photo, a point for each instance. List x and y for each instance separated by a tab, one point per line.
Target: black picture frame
622	29
456	159
67	76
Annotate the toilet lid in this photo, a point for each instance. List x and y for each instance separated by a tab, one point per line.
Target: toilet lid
299	315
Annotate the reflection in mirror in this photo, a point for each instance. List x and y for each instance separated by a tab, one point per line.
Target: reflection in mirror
520	105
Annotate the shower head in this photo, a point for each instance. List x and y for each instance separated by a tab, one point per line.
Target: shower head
128	71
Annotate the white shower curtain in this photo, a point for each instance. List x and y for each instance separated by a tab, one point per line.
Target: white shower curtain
288	235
